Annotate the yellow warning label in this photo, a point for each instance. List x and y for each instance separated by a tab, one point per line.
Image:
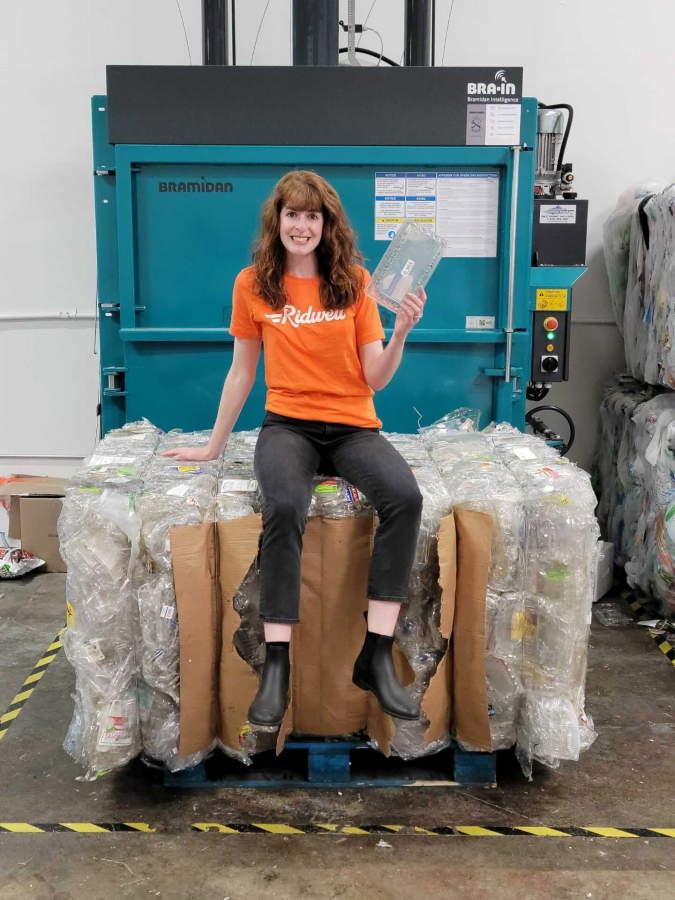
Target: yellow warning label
70	614
552	298
389	220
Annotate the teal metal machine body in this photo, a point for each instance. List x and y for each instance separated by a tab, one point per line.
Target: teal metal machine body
167	262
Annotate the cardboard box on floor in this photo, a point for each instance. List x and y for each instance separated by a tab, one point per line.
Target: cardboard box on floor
211	561
33	515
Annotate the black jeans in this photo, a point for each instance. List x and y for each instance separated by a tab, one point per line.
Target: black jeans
289	453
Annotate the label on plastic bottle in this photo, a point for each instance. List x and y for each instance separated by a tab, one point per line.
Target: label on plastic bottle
110	461
354	496
180	490
326	487
522	626
125	437
558	499
93	651
557	573
524	453
670	521
238	485
144	698
115	731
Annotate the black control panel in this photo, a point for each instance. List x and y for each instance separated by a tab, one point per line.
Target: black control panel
550	346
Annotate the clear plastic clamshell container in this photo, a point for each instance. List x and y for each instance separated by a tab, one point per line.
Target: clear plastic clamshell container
408	263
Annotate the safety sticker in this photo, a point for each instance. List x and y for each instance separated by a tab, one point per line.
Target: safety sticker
558	214
480	322
554	299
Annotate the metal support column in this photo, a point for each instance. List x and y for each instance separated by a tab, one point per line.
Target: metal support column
215	33
315	32
419	34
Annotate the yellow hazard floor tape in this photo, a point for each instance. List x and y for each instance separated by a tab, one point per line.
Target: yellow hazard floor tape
30	684
327	828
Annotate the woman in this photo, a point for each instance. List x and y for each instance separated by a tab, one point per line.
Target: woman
304	298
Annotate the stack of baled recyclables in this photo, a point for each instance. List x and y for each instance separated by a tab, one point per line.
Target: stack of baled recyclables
635	462
163	595
635	480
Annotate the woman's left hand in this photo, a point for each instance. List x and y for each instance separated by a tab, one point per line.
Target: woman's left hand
410	313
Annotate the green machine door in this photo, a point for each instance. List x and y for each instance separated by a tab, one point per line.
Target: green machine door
175	224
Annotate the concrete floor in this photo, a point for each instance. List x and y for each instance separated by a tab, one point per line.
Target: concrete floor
625	780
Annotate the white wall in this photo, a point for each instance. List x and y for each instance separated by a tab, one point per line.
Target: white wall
611	61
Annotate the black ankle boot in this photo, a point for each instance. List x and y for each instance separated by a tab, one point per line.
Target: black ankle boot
270	702
374	671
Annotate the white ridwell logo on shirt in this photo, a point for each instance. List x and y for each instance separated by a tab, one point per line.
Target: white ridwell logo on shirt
296	318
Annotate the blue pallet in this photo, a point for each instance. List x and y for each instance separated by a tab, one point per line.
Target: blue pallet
320	763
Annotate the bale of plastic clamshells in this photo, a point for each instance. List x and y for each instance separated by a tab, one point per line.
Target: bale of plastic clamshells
122	504
634	471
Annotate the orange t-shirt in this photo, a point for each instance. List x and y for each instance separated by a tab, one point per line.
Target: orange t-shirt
312	366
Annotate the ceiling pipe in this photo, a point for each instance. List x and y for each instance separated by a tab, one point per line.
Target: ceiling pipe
315	32
420	32
215	33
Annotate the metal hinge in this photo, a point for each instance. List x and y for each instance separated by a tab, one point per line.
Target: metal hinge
115	389
499	373
102	170
109	308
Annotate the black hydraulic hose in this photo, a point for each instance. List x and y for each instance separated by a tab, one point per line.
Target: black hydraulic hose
568	126
370	53
565	415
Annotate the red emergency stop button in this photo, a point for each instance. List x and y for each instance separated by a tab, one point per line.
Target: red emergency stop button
551	323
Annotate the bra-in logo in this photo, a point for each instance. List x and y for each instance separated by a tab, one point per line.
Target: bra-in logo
501	85
296	318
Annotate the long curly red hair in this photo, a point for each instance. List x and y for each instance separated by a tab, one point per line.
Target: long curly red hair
337	254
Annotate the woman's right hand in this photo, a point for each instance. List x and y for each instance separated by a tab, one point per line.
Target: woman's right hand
196	454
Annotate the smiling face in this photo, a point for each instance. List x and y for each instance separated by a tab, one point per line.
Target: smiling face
300	230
